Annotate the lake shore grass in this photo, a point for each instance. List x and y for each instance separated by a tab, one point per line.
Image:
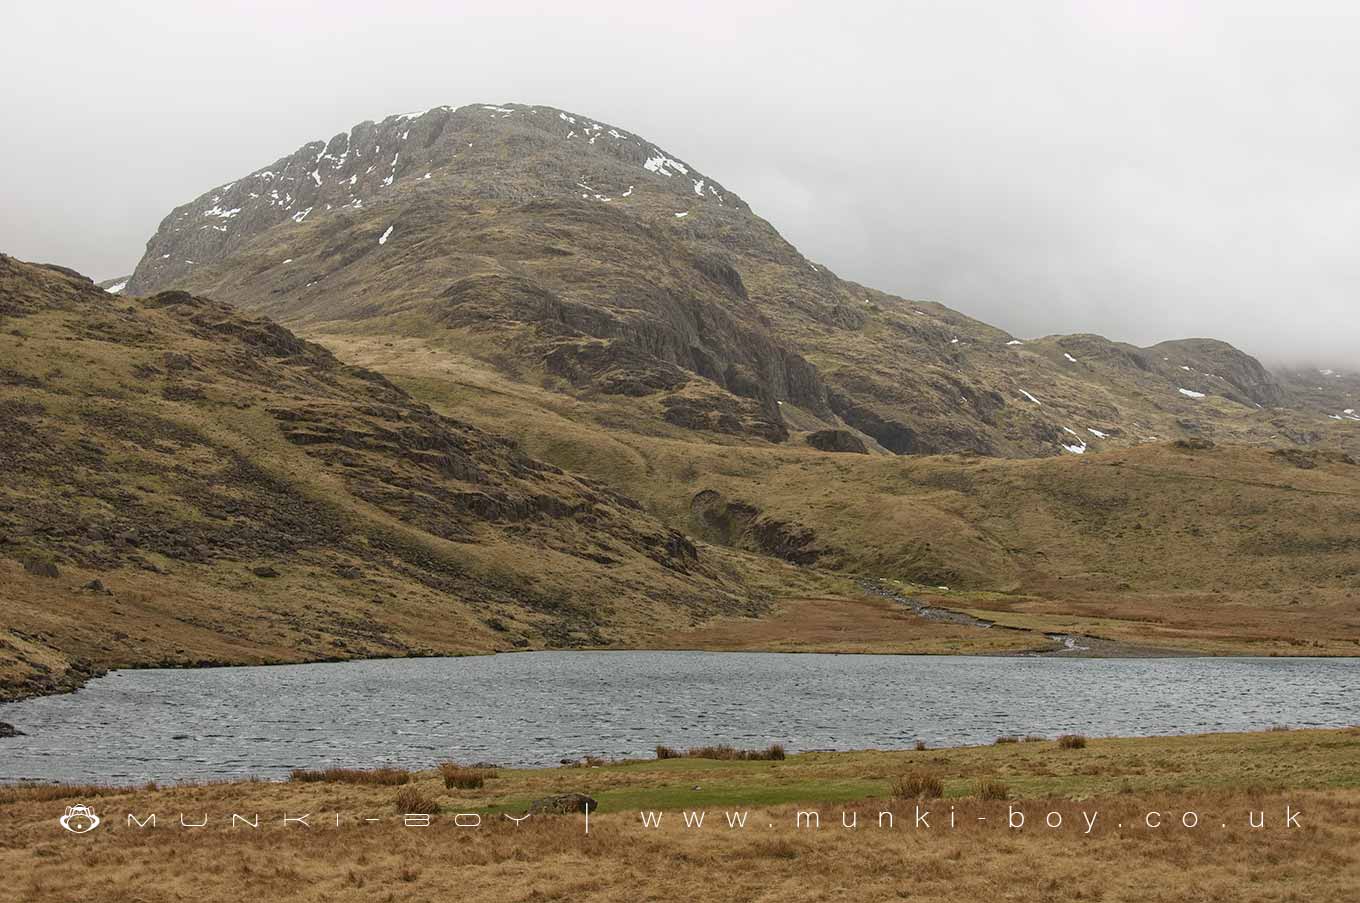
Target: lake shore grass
1220	777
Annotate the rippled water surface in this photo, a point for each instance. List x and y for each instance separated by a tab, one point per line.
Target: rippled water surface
538	708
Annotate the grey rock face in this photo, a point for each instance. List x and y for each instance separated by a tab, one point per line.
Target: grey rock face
375	161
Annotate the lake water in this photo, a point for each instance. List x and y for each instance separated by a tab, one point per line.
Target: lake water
540	707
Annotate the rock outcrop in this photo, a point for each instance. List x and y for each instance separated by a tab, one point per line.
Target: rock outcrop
578	250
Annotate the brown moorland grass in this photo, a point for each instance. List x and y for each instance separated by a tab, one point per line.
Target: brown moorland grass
378	776
775	752
917	785
412	800
1219	777
1072	741
1223	551
992	790
463	778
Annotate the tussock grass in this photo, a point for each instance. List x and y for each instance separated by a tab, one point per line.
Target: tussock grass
920	746
386	777
992	790
413	801
462	778
1072	741
1007	738
775	752
47	792
917	785
1227	773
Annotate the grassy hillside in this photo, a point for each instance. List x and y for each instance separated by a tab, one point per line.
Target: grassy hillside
183	484
571	250
1215	548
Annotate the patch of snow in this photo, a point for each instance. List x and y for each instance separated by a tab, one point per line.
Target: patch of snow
1079	448
419	114
1190	393
1015	342
1031	397
662	164
1069	357
385	236
699	187
679	215
301	215
629	191
218	211
289	260
1097	433
117	287
316	177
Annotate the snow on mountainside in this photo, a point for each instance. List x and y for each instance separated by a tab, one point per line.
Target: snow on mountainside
572	248
363	165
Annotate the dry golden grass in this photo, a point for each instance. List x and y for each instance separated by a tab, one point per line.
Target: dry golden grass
411	800
458	777
992	790
389	777
775	752
917	785
1227	551
1219	777
851	623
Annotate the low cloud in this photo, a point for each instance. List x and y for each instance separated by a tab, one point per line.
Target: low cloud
1147	172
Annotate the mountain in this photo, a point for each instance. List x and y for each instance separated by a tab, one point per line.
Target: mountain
568	249
540	382
184	483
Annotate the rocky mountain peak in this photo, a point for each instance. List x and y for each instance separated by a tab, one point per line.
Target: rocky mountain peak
511	152
578	254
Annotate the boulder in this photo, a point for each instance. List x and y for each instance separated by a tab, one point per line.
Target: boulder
264	570
9	730
40	568
837	441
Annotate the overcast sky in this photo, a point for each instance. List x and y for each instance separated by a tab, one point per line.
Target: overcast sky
1141	170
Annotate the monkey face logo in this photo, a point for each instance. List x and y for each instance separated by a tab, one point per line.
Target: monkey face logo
79	820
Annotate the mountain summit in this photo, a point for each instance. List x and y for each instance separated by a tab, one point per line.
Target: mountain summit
572	250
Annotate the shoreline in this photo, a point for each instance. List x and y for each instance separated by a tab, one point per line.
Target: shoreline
76	678
1003	746
233	840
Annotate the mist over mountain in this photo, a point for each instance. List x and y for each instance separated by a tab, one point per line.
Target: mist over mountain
579	254
1140	173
